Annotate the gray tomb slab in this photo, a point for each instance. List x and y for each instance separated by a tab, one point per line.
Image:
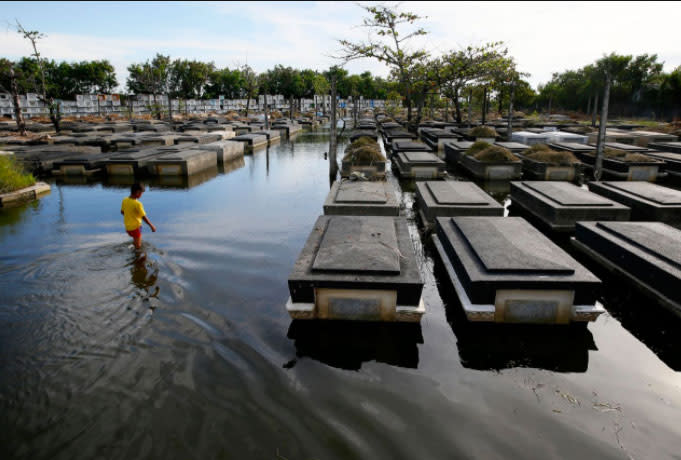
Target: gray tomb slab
674	147
645	254
360	198
359	245
358	268
513	147
505	270
672	161
409	146
182	162
453	198
226	151
558	205
419	165
647	201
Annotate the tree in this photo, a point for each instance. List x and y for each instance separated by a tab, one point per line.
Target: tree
250	86
321	86
389	46
33	36
224	82
9	82
611	69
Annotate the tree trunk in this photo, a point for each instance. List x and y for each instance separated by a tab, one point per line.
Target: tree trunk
290	107
55	114
314	117
509	130
170	108
14	88
550	100
500	107
248	104
598	169
595	108
470	107
267	120
588	105
484	105
333	164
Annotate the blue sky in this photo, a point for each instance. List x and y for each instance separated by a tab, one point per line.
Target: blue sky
544	37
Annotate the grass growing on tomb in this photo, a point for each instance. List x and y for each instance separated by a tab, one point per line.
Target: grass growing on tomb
483	131
552	157
622	155
536	148
12	175
494	154
477	146
364	150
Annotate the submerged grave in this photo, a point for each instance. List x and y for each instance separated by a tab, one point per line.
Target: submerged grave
251	141
454	198
357	268
504	270
419	165
559	205
647	201
362	198
646	254
182	162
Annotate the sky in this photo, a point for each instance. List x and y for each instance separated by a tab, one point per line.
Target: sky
543	37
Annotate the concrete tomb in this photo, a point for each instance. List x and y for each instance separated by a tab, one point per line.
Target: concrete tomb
559	205
674	147
419	165
491	170
528	138
362	198
672	162
437	137
562	136
647	201
454	150
357	268
226	151
453	198
273	135
644	138
182	162
645	254
131	161
513	147
504	270
251	141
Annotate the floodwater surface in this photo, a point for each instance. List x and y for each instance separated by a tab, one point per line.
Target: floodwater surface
189	353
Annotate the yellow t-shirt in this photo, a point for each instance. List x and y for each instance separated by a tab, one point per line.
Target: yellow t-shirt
133	211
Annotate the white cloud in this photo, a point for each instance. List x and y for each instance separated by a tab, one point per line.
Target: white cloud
543	37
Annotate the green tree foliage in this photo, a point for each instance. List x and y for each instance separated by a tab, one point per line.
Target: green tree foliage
637	87
388	43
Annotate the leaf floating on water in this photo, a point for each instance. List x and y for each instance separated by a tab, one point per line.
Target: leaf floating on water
557	411
607	407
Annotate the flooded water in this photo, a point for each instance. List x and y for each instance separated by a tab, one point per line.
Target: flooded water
190	353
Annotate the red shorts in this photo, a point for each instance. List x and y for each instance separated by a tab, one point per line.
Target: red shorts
137	233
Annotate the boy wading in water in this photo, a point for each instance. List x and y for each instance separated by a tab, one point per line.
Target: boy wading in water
133	214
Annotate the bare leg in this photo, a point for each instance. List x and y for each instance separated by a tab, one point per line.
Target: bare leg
137	242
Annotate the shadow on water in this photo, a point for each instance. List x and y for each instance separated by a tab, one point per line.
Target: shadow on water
658	328
489	346
347	344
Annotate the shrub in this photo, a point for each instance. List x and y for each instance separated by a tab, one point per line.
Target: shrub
364	151
494	153
12	175
552	157
483	131
536	148
638	158
477	146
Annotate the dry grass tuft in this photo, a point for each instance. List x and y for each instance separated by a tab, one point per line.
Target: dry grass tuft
363	151
495	154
